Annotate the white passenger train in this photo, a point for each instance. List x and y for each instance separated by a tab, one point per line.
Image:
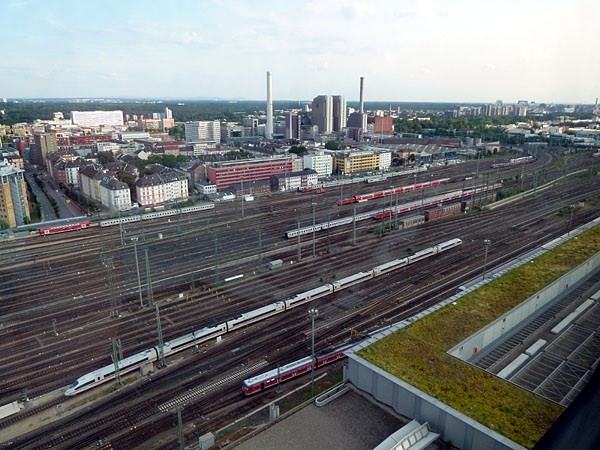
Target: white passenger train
154	215
107	373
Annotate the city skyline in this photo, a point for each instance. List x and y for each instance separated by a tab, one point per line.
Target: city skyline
411	51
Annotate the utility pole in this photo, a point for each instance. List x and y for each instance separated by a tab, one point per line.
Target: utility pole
108	264
328	232
487	243
314	253
179	221
259	251
149	280
180	426
396	215
216	262
120	348
137	270
54	327
535	175
478	157
313	313
116	363
161	349
391	206
242	181
299	250
353	226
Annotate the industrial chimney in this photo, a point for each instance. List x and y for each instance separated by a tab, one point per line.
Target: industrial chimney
362	98
269	125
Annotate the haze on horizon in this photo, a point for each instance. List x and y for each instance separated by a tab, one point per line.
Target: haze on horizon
408	50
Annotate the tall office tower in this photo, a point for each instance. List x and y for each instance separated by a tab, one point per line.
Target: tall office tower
45	144
362	91
96	118
322	113
14	209
168	113
339	112
203	131
292	125
269	125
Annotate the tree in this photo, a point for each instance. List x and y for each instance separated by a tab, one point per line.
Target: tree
126	178
105	157
298	149
332	145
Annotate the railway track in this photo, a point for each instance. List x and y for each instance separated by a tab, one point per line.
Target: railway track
305	275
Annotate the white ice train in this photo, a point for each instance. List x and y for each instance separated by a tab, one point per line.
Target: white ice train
107	373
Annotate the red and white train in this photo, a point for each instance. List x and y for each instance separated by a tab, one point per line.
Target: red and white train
514	162
294	369
373	195
107	373
63	228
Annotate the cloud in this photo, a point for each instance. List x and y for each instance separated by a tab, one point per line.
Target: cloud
359	10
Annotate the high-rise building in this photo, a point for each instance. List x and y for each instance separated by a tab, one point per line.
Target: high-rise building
96	118
168	113
269	125
292	125
203	131
322	113
45	144
14	209
339	112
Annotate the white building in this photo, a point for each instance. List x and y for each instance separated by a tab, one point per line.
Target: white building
294	180
203	131
115	194
320	163
160	188
107	146
72	173
96	118
207	188
385	160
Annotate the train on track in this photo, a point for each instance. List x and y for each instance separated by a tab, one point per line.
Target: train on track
378	214
154	215
379	194
63	228
107	373
294	369
514	162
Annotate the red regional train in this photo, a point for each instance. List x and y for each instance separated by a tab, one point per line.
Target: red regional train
63	228
365	197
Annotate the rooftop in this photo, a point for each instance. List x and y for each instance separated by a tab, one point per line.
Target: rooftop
417	353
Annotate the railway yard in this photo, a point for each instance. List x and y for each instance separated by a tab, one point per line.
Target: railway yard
84	283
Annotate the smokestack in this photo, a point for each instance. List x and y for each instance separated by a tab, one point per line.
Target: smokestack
269	126
362	92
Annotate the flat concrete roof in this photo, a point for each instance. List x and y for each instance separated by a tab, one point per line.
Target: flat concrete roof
351	422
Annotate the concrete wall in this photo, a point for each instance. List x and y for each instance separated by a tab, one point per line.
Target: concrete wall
462	431
534	305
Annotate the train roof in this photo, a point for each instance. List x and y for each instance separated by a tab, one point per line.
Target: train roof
273	373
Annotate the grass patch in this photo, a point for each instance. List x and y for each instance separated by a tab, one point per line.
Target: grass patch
417	353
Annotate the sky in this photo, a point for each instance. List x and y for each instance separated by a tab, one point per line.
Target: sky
407	50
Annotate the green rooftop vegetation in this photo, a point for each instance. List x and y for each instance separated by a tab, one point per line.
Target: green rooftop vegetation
417	353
